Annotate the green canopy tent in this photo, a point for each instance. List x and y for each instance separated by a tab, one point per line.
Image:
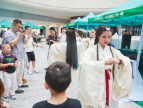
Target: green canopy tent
5	24
83	23
130	14
32	26
68	25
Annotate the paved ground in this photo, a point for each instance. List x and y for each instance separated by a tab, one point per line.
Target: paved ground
36	91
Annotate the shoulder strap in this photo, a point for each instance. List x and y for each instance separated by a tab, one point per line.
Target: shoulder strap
2	58
14	57
54	36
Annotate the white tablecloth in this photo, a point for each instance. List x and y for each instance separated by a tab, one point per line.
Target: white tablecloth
134	42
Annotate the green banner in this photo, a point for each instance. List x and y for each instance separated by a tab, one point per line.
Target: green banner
120	14
73	23
6	26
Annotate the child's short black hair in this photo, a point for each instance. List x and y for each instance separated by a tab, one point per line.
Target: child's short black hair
3	45
58	76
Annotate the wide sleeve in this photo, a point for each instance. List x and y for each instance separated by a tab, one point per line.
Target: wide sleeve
56	53
91	43
92	80
84	43
122	77
81	50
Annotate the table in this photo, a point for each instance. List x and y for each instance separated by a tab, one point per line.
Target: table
126	52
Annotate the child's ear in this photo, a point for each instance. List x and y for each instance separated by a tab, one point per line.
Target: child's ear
46	85
71	79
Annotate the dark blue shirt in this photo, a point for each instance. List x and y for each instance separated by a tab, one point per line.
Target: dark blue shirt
9	59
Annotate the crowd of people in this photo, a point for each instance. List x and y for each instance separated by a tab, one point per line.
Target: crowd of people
81	72
17	52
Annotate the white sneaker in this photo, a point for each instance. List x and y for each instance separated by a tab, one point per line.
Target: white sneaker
35	70
13	97
5	99
29	72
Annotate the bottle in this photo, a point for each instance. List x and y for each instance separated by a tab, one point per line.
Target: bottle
126	47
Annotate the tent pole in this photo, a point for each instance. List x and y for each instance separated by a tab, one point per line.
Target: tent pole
130	30
87	31
119	35
77	27
140	47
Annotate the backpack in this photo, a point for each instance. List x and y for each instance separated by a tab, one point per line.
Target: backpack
2	59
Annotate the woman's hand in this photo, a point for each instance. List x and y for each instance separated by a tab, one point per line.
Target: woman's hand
50	40
87	41
116	61
108	62
111	61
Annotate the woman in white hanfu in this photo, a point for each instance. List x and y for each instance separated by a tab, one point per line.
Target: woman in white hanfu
105	74
88	42
91	41
70	52
78	38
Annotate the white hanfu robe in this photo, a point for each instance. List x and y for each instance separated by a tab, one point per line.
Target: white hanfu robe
57	52
92	91
85	44
91	42
78	39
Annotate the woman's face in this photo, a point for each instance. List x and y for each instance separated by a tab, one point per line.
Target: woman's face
76	34
105	38
93	33
63	30
52	32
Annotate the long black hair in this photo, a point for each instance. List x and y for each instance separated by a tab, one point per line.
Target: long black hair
71	53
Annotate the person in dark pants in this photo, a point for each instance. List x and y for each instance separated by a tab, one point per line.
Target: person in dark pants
16	40
29	49
34	37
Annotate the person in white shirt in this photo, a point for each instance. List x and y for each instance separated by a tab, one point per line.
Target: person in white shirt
62	35
29	48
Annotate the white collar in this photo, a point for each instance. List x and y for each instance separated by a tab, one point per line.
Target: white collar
100	47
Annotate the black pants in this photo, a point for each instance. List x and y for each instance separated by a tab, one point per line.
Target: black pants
31	56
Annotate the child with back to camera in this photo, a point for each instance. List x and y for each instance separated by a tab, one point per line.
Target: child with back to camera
57	80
